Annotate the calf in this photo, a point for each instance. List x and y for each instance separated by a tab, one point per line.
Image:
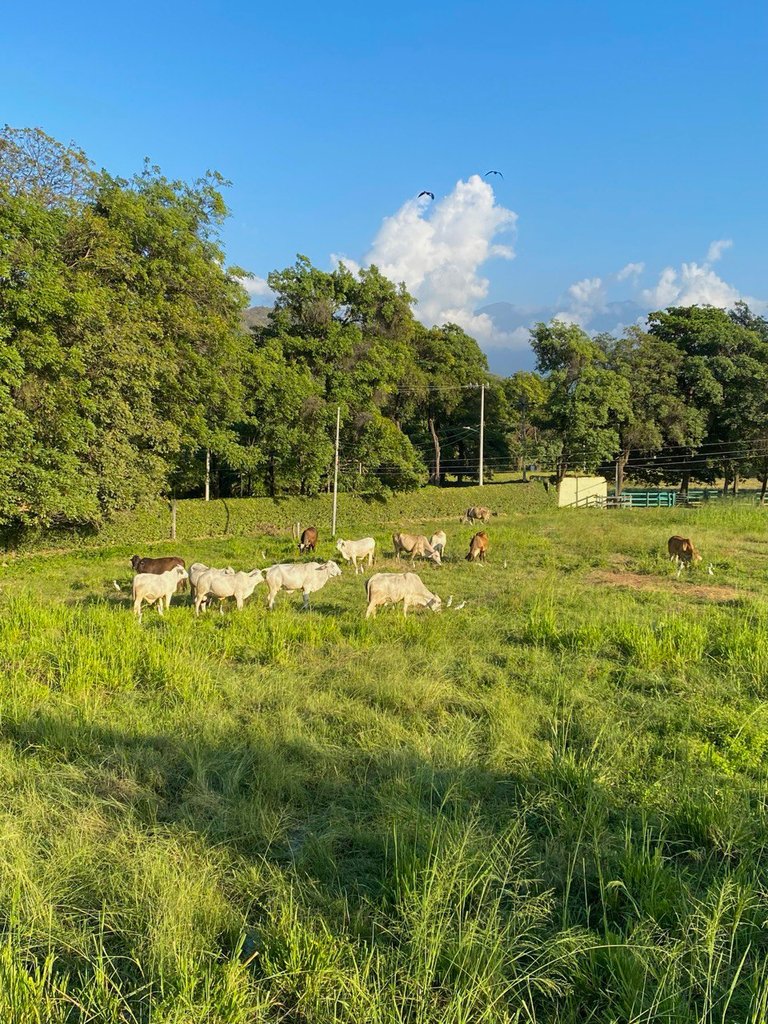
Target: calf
157	565
390	588
153	587
308	540
351	550
438	541
478	547
414	545
682	551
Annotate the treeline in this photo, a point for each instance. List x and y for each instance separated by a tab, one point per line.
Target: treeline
685	397
125	365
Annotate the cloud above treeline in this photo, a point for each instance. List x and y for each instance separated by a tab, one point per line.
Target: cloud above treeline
439	249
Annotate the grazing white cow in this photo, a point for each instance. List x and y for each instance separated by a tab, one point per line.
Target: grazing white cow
392	587
304	576
152	587
438	541
197	569
416	546
216	583
351	550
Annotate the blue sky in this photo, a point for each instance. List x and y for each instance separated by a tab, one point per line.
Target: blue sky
627	132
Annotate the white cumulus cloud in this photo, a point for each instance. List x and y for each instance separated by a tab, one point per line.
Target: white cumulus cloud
439	249
691	284
633	270
256	287
717	248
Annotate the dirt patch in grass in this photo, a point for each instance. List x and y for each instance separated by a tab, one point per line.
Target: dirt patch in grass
636	581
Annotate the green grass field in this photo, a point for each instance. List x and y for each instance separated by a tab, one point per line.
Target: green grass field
548	806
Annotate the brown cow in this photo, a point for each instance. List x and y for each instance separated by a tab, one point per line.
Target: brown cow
478	547
308	540
156	566
682	551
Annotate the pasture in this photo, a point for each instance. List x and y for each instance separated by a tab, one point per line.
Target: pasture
548	806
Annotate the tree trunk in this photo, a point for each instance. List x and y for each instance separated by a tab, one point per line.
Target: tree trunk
684	480
436	442
621	462
764	482
735	482
560	471
271	478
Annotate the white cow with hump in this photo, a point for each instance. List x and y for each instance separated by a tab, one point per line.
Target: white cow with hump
152	587
351	550
392	587
197	569
307	577
215	583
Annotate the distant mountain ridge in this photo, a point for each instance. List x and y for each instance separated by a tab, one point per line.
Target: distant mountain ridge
256	316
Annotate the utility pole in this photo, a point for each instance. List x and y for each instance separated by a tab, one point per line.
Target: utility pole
207	474
524	435
336	471
482	432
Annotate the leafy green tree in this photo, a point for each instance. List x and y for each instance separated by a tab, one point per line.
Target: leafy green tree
35	165
122	335
445	395
723	374
526	399
588	403
659	415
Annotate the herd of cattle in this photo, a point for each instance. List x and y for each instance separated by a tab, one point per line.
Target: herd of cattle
156	580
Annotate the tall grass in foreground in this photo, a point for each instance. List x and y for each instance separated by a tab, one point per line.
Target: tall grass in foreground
551	807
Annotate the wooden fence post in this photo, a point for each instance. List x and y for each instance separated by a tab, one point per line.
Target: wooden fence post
173	519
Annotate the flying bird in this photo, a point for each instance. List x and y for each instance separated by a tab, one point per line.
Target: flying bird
493	172
430	194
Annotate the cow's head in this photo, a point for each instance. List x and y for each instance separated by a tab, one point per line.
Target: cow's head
135	563
434	604
181	572
435	557
331	567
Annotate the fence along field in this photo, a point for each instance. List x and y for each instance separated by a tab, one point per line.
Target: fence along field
548	806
